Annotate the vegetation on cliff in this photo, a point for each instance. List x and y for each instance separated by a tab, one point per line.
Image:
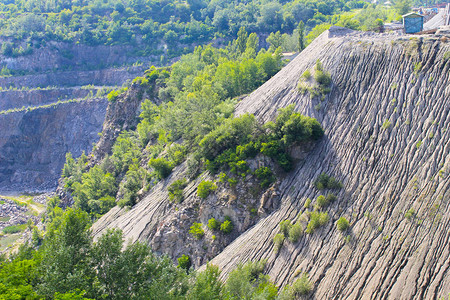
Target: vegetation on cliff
198	96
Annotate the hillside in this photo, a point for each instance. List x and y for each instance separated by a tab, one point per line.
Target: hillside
386	139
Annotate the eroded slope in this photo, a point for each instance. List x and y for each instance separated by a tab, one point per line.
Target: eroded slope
386	139
387	168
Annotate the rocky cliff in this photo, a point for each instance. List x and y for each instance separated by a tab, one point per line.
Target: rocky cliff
33	143
11	99
99	77
70	56
386	119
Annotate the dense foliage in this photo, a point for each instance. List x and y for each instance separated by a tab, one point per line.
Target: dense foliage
196	95
147	24
70	265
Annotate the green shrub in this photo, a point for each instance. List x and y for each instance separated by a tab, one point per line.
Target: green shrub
322	78
307	203
248	150
322	201
113	95
176	190
278	240
324	181
230	134
265	175
285	226
306	75
271	149
317	220
177	154
161	166
197	231
227	225
213	224
342	224
274	150
331	198
333	183
141	81
295	232
238	166
184	262
223	177
293	127
302	286
248	282
410	214
232	181
205	188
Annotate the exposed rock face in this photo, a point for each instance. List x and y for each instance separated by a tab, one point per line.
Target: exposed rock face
387	140
122	114
165	224
33	143
11	99
99	77
71	56
386	170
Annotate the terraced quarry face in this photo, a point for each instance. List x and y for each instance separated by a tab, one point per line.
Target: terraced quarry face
386	139
53	105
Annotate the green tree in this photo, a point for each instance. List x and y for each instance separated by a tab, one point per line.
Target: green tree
95	192
402	6
65	254
128	274
248	282
275	40
241	41
301	36
316	31
207	285
252	44
17	276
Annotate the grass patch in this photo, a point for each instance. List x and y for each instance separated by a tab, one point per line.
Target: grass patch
447	55
8	240
14	229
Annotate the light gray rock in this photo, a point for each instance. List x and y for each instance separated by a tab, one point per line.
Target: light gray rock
386	168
